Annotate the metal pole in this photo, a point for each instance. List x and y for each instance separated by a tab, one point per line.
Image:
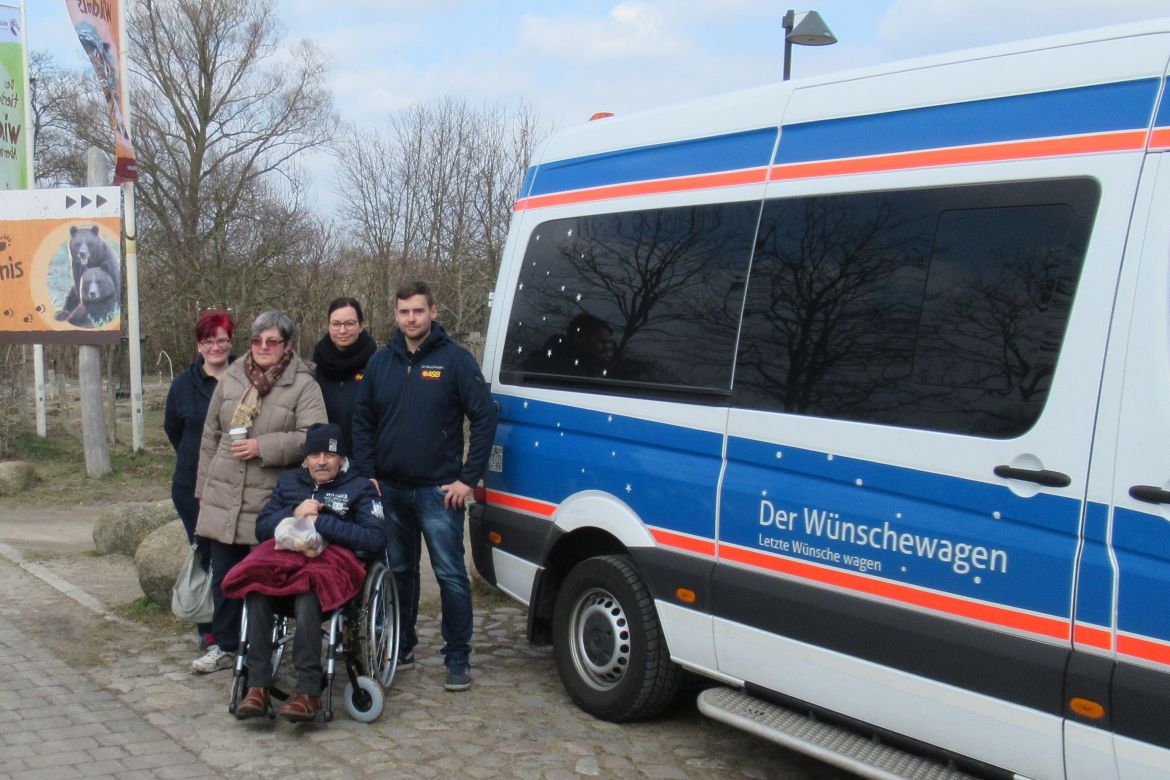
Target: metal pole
31	183
789	20
133	324
130	231
39	377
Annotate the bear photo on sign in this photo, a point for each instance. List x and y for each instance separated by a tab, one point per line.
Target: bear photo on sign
95	270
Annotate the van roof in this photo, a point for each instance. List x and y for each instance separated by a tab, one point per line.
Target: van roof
764	105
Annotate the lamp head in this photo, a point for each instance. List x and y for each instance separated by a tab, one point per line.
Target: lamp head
809	29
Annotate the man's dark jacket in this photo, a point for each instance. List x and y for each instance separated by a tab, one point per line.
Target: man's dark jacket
352	516
408	422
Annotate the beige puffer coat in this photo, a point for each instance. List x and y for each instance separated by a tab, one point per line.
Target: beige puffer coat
232	492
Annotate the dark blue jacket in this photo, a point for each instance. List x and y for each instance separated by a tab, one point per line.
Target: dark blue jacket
186	412
340	398
408	423
352	516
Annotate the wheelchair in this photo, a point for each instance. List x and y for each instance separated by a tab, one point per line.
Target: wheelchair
364	632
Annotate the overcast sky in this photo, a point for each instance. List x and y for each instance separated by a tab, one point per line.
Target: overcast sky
570	58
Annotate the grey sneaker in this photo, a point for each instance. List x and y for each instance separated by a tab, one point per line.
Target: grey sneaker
458	677
212	661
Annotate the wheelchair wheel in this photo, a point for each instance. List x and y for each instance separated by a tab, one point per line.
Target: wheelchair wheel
239	688
282	634
364	704
378	627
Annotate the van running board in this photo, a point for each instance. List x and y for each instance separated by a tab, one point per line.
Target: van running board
832	744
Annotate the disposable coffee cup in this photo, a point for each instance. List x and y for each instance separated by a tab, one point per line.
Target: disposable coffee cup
238	434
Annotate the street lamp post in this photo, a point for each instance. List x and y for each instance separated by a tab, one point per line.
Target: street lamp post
805	28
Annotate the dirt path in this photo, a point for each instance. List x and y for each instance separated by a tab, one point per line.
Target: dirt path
49	528
61	540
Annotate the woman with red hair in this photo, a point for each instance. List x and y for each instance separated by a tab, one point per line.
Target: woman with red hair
187	404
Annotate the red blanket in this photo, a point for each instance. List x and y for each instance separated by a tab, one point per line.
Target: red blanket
335	575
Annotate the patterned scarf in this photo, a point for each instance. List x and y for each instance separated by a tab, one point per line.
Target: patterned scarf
261	385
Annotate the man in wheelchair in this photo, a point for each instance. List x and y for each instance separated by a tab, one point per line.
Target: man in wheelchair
311	575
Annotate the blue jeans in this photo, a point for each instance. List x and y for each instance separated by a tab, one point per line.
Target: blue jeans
418	511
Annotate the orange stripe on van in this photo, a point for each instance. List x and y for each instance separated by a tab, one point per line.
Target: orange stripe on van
681	542
1054	628
1160	138
529	505
1092	636
1145	649
1041	625
655	187
1128	140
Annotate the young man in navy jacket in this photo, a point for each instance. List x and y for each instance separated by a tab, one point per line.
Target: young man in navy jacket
408	436
349	513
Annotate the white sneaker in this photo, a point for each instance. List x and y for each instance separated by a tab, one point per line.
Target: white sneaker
212	661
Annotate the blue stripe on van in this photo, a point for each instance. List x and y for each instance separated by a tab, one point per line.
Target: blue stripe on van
1095	583
1141	542
668	475
1103	108
715	154
1163	119
526	185
899	518
1080	112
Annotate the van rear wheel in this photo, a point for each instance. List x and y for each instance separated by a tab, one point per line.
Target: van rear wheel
609	647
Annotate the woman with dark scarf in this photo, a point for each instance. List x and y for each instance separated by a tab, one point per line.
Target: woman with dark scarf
341	357
256	423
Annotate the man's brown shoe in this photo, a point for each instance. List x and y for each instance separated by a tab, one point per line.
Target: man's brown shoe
255	703
300	708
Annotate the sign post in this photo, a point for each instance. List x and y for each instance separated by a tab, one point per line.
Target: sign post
101	28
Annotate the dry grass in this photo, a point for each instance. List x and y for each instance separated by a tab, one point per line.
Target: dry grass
156	617
59	459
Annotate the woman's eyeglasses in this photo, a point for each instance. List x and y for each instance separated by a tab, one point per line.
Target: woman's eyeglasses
209	343
347	325
267	343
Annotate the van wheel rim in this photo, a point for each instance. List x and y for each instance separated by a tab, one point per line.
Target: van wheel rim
600	639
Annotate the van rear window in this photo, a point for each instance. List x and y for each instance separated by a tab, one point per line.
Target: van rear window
943	309
632	302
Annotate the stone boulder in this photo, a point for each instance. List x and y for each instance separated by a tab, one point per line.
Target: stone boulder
159	559
15	476
120	529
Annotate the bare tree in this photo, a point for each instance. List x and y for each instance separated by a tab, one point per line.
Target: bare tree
56	95
221	114
372	208
431	195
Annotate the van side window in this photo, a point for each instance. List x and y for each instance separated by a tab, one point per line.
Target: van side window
942	309
636	300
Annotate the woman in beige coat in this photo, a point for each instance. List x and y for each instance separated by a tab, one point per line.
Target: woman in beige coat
255	428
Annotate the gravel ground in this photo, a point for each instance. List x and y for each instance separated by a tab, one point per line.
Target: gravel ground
515	722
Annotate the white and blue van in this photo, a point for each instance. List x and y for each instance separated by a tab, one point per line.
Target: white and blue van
852	394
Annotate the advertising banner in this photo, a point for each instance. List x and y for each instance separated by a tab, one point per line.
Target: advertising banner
13	88
61	266
98	24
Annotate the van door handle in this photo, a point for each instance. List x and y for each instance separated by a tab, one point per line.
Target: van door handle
1039	476
1150	494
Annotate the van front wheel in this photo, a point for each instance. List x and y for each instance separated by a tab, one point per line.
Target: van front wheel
608	644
